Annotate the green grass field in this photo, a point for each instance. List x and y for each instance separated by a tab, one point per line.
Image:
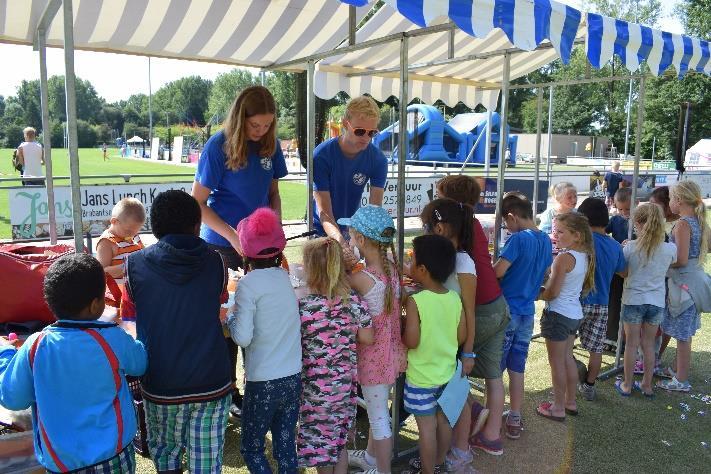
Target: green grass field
293	195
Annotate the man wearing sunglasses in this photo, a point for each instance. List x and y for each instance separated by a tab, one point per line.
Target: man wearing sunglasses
343	166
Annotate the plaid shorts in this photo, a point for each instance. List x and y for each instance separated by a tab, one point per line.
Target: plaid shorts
123	463
198	428
593	329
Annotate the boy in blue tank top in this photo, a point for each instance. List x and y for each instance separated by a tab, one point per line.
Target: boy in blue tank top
522	266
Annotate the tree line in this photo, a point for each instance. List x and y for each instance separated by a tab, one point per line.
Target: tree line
201	105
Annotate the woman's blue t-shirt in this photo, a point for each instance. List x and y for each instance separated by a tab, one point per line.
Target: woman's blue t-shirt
236	194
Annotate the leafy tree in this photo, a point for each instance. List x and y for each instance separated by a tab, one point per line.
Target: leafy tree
225	89
28	98
184	100
2	106
696	16
88	101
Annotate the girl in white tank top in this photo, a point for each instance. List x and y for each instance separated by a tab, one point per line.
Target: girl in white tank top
572	276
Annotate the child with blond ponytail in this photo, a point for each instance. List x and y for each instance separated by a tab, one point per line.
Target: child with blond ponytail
371	231
689	287
330	312
572	276
643	298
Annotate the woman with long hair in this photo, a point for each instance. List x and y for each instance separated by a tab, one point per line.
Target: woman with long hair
238	172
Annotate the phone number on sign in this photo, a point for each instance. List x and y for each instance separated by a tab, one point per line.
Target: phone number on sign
392	200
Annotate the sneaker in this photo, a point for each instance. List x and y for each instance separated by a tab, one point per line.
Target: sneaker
674	385
454	463
662	373
356	458
587	391
493	447
438	469
639	367
513	427
479	415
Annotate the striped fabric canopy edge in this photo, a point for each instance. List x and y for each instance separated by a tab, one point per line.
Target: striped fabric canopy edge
634	44
526	23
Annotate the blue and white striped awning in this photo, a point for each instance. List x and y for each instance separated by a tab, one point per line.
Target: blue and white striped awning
634	43
526	23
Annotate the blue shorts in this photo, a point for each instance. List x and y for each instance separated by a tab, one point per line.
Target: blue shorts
516	342
641	313
421	401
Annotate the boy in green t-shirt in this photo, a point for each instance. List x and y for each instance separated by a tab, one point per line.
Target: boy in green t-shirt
434	329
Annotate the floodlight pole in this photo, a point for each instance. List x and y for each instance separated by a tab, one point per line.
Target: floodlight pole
47	135
537	172
70	91
503	143
310	142
150	107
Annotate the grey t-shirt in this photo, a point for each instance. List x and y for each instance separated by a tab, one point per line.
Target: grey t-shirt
645	279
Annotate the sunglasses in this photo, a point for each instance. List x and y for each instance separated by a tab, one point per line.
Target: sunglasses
359	132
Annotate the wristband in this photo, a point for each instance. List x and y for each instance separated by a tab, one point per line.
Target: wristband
468	355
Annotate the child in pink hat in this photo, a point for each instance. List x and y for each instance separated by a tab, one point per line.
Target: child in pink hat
266	323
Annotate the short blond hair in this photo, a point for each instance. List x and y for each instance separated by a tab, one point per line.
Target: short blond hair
362	107
129	208
29	131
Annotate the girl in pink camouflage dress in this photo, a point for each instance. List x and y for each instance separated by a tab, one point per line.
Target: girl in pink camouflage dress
332	318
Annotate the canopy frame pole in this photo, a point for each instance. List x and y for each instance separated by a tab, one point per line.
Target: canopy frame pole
487	156
537	170
629	117
70	91
550	134
352	25
150	106
637	152
503	144
47	135
310	143
402	159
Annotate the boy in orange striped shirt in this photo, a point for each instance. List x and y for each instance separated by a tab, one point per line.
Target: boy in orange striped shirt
121	238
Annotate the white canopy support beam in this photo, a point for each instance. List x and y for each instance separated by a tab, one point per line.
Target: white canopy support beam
71	95
45	21
47	135
537	172
310	143
503	145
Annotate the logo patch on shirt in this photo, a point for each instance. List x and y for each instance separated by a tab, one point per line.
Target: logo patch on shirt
266	163
359	179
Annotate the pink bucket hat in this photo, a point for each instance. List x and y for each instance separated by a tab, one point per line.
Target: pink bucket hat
261	231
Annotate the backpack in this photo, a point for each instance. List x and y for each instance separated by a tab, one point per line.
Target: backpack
16	163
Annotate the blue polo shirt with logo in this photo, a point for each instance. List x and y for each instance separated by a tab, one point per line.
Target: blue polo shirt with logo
236	194
345	178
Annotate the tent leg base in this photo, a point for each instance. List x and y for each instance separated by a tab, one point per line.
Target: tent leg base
608	374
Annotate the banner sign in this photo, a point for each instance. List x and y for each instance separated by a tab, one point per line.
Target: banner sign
29	216
420	191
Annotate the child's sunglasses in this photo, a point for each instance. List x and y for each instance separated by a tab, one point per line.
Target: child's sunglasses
359	132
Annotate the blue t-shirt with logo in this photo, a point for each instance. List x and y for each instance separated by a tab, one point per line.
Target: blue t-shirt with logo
530	253
609	259
236	194
345	178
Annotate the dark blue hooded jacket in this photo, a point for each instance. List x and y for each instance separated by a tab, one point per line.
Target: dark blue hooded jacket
176	286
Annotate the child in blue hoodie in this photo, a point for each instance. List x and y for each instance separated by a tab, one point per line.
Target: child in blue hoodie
177	286
73	375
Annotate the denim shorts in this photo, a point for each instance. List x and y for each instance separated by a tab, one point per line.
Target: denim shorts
516	342
556	327
641	313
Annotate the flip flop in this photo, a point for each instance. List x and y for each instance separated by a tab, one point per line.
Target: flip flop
638	386
544	410
618	387
570	412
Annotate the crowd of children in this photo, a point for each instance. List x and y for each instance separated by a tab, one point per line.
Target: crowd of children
306	359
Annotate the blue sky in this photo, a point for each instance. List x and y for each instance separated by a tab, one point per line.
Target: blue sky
117	76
